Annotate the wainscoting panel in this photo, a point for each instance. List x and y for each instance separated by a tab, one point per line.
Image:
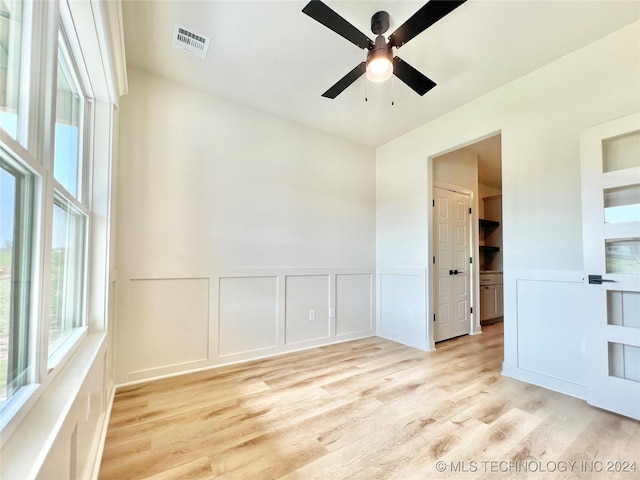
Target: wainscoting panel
248	314
402	306
168	322
172	325
550	322
544	329
307	308
354	310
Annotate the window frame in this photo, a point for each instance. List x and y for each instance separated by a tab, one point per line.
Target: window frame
17	405
26	197
57	356
23	55
46	26
76	77
58	348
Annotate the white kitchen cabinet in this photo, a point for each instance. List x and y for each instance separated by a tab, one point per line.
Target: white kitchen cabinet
491	296
500	300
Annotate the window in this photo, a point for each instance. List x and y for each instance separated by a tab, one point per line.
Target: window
44	214
70	218
58	86
67	273
16	227
69	113
11	12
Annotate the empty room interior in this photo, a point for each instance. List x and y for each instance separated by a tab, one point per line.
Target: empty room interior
319	239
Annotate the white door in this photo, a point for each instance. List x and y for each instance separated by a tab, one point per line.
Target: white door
610	161
452	254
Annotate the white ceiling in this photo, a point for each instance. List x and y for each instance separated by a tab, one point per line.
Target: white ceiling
271	56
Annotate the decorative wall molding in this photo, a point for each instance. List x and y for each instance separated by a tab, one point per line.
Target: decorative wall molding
401	305
237	315
543	310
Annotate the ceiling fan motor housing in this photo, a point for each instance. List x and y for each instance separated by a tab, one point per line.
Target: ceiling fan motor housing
380	23
379	49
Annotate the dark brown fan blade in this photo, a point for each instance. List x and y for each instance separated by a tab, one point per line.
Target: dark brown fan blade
330	19
429	14
345	81
412	77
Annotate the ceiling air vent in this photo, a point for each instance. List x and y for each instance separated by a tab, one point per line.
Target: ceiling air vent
191	42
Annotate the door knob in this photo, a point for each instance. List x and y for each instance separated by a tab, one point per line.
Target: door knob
598	280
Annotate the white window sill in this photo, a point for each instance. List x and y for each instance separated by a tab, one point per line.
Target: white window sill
66	349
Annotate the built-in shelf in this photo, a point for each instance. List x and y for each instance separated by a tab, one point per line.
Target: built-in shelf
489	248
484	223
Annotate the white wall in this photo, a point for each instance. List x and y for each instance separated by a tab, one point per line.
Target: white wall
540	117
232	225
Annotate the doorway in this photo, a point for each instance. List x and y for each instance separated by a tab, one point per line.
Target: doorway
475	169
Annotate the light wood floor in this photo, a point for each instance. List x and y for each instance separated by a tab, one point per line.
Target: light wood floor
368	409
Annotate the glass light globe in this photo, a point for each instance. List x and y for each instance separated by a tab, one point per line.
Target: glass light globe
379	69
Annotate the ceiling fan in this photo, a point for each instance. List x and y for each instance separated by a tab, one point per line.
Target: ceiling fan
381	64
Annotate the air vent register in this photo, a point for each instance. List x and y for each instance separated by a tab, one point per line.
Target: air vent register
187	40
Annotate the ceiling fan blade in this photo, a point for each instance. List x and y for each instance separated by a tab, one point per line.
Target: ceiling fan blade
412	77
345	81
429	14
330	19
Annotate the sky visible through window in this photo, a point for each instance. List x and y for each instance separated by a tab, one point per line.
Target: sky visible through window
7	196
7	188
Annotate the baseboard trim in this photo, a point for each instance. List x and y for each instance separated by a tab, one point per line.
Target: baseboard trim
544	381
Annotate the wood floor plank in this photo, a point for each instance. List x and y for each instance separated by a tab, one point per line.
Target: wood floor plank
199	469
367	409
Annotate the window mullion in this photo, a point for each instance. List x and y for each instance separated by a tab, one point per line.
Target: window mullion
87	137
45	275
41	79
22	130
44	86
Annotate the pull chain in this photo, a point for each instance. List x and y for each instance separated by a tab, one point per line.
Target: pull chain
366	83
392	102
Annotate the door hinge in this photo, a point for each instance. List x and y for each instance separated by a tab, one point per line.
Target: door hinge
470	259
434	259
471	310
469	210
433	202
434	317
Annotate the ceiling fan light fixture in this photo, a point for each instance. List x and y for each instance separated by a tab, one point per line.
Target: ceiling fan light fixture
379	63
379	70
